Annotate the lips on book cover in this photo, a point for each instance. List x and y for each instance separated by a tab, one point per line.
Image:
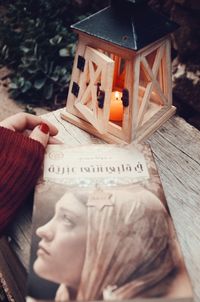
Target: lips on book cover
106	241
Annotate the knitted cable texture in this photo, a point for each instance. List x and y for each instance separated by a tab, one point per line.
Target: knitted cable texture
20	166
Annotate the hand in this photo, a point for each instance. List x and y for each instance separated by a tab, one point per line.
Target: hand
42	131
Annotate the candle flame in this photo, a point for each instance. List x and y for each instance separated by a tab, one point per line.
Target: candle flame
117	95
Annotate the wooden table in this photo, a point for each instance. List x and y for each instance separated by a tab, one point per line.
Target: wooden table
176	147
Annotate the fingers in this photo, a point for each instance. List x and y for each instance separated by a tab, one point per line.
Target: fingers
22	121
41	134
42	130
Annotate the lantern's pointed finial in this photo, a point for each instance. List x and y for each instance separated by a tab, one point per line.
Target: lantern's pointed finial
125	7
128	3
136	2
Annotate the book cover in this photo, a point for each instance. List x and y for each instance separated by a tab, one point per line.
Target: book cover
102	229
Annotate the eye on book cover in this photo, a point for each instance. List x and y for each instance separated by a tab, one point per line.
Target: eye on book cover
102	229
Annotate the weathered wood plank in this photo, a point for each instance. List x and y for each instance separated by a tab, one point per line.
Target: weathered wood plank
12	271
19	234
176	148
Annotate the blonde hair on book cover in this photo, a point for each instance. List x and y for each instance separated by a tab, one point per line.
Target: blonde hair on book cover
130	247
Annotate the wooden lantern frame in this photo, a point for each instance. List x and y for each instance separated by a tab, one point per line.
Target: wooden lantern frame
141	117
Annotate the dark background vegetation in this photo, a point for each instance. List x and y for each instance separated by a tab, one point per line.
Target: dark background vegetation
37	46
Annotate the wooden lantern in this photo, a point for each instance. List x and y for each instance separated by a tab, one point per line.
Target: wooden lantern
120	87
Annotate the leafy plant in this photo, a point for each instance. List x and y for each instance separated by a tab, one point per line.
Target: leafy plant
36	43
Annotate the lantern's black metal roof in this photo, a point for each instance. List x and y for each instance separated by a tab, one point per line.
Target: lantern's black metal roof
134	28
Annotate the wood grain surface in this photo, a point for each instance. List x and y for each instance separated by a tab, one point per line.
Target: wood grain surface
176	148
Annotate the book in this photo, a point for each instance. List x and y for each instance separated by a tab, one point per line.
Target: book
102	229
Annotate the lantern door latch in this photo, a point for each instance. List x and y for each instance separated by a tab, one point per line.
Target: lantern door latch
100	98
125	97
81	63
75	89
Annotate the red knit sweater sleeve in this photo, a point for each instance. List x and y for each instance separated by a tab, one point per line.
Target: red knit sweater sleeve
20	166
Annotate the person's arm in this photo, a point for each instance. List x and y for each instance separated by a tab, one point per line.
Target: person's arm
21	158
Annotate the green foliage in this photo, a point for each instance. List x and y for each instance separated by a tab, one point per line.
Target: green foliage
36	43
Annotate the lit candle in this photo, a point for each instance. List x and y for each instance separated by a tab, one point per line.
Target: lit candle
116	107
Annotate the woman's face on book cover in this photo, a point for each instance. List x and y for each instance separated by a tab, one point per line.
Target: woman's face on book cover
61	250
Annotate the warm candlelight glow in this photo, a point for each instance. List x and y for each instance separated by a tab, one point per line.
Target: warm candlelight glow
154	96
116	107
